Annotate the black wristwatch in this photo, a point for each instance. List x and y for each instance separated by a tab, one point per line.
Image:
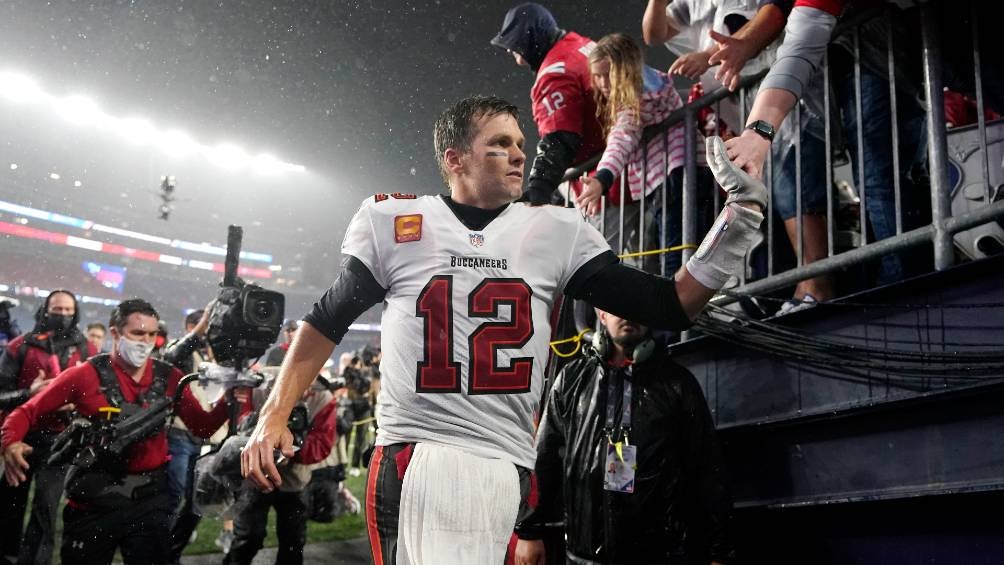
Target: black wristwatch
764	129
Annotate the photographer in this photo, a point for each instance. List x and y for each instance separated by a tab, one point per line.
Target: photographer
313	424
96	333
359	381
8	325
27	365
186	353
114	502
278	353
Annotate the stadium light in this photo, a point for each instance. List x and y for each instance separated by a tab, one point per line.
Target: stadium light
137	131
266	164
80	110
176	143
227	156
19	88
83	111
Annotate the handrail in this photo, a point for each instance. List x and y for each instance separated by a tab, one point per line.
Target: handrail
899	242
874	220
671	120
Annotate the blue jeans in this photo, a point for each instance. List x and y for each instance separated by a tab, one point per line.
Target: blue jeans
813	180
878	187
184	453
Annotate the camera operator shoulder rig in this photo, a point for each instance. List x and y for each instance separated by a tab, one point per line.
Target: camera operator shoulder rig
96	446
109	385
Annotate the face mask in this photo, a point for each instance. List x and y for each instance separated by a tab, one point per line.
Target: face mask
134	353
58	323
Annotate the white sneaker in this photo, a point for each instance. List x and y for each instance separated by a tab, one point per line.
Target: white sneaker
224	540
355	472
794	305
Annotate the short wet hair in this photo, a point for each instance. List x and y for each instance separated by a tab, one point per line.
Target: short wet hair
455	127
129	307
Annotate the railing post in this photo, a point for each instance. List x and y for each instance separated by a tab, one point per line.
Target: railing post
620	219
859	122
689	201
941	208
828	158
894	121
980	109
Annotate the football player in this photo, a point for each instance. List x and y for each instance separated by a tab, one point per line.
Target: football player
470	280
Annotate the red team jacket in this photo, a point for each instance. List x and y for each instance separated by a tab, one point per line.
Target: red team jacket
35	360
80	385
562	98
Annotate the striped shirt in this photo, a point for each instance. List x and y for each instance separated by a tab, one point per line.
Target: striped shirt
658	101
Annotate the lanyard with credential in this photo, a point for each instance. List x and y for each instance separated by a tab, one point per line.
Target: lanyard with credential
625	426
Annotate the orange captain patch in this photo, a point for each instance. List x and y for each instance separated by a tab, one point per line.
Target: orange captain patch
407	228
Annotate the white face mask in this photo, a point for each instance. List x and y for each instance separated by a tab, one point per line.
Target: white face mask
134	353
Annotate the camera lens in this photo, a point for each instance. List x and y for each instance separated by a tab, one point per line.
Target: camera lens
263	310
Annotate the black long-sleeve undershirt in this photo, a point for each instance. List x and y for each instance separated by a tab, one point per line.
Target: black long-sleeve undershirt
632	294
603	282
353	292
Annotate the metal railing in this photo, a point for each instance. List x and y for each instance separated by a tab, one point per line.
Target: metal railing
942	227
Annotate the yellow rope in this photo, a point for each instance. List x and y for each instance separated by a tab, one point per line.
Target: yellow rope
658	251
364	421
577	339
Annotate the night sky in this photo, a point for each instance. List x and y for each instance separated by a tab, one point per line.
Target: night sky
348	89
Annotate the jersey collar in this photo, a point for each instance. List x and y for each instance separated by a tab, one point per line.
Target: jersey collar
473	218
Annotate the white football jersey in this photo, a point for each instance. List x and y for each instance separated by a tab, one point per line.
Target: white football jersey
467	322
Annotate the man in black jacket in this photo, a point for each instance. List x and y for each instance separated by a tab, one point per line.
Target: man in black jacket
627	458
28	363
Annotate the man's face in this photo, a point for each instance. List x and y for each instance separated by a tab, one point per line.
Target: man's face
622	332
96	336
519	59
290	334
496	159
600	72
61	304
138	327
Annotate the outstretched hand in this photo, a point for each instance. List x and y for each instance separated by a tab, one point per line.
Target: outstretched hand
732	55
690	65
742	188
589	199
748	151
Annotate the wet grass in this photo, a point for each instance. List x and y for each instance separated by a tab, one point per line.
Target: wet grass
347	526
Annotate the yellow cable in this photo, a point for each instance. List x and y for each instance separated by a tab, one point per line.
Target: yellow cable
577	339
658	251
364	421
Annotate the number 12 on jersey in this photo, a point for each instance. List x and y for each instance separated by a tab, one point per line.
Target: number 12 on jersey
438	372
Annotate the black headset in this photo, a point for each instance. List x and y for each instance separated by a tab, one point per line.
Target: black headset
602	344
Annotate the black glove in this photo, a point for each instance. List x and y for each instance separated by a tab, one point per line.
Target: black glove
555	153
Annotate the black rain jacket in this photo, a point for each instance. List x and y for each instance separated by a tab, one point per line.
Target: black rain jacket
680	509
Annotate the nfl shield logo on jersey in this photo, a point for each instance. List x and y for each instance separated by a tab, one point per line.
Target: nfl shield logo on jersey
477	239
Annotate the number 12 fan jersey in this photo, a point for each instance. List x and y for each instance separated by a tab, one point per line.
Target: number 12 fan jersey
466	326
